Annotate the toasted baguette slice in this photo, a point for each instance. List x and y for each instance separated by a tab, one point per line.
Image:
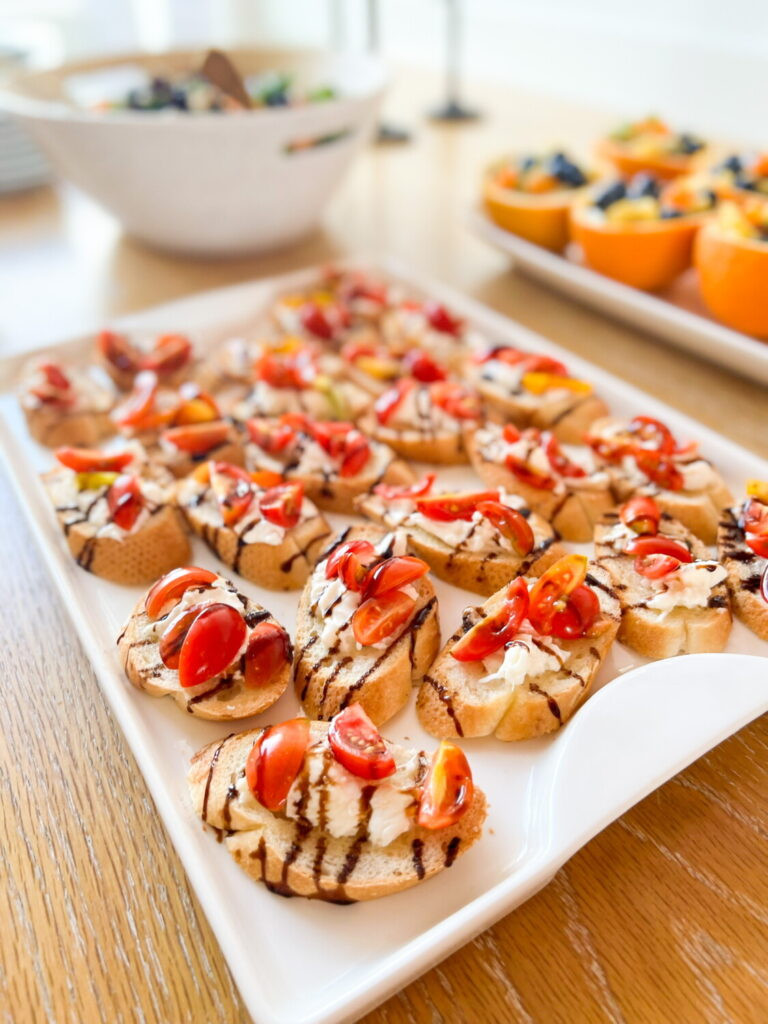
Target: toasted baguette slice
136	556
223	698
572	511
444	447
293	860
454	701
57	428
746	571
484	570
282	561
652	632
329	676
65	406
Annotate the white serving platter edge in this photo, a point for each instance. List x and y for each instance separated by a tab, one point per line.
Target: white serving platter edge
302	962
691	329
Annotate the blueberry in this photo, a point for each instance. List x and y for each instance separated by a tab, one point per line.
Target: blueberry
609	194
688	144
667	213
733	164
642	185
179	99
276	98
527	163
565	170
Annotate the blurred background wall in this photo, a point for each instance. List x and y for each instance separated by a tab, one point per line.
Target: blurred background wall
701	63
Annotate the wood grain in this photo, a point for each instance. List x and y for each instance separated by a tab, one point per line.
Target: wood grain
664	916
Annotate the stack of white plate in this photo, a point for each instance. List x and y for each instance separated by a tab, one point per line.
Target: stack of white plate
22	165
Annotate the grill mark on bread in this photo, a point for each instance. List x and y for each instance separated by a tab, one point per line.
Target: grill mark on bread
593	581
330	678
451	851
287	565
446	700
417	850
552	704
335	543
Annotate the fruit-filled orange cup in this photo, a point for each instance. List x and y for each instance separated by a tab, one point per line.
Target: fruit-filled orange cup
651	146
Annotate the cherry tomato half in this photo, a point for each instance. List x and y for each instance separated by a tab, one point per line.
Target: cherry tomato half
125	501
653	434
282	504
381	618
171	352
91	460
275	761
233	488
360	554
386	405
641	514
55	376
455	399
439	319
271	436
211	644
658	545
581	611
422	367
118	351
137	410
510	524
494	631
173	585
358	746
198	438
449	507
549	594
558	460
759	545
529	476
393	573
653	567
417	490
754	517
269	649
356	454
660	469
448	789
314	320
172	639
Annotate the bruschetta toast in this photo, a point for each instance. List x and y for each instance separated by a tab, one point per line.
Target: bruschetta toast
367	626
427	325
566	486
645	458
169	356
117	513
742	544
477	540
673	595
258	524
519	666
534	391
332	811
194	637
334	462
422	421
65	406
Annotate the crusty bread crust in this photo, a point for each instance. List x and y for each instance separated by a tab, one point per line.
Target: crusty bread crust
745	571
452	700
471	570
326	683
219	703
56	428
573	514
652	633
442	447
292	861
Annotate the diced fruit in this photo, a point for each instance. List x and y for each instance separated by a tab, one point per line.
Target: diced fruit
358	746
198	438
449	507
448	789
93	481
275	761
382	618
172	639
281	505
212	644
653	567
422	367
393	573
386	405
118	351
558	460
172	586
91	460
394	493
658	545
510	524
171	352
641	514
269	649
439	319
496	630
549	594
125	501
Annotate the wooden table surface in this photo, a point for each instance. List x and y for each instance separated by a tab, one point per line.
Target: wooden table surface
662	917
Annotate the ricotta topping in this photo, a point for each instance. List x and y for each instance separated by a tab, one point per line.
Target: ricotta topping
689	586
527	655
418	412
697	475
494	448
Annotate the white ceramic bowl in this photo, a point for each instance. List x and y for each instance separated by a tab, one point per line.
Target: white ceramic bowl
216	184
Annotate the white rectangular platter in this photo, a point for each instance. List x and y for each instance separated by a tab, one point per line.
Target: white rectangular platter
306	962
678	315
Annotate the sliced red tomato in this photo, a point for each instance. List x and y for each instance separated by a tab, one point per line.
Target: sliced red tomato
558	460
279	371
234	489
91	460
118	351
358	746
125	501
439	319
138	409
653	434
383	617
172	639
356	455
353	350
351	562
759	545
314	319
281	505
660	469
171	352
502	354
212	643
422	367
581	611
449	507
455	399
653	567
544	364
55	376
658	545
268	651
448	789
641	514
529	476
549	594
198	438
510	524
495	631
510	433
271	436
386	405
394	493
173	585
275	761
754	517
393	573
